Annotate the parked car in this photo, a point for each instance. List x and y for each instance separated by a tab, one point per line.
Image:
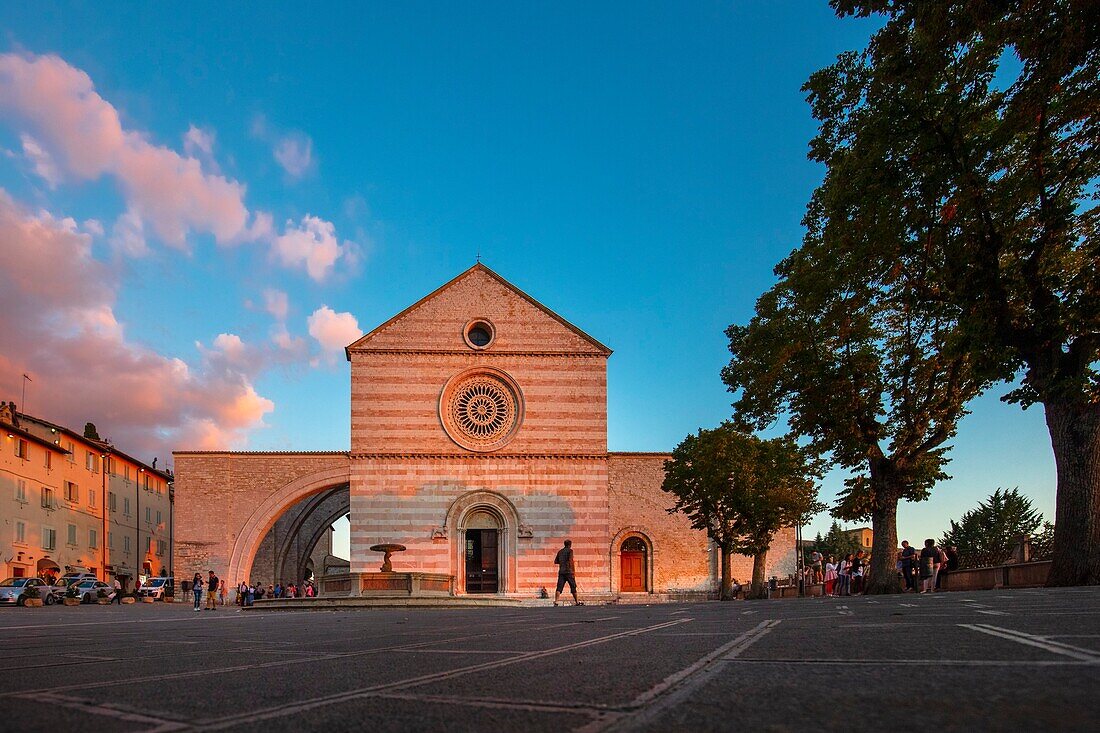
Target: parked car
157	587
11	591
88	590
69	578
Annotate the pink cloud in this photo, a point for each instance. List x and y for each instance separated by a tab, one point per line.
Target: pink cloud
333	331
276	303
60	327
311	245
78	134
294	153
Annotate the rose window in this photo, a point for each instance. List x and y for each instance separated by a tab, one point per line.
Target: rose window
481	411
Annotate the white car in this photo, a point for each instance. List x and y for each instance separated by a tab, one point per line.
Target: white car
88	590
156	587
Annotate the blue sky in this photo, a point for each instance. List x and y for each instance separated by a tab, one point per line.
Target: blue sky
638	168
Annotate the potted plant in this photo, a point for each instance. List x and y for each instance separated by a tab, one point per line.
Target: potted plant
103	598
72	596
32	597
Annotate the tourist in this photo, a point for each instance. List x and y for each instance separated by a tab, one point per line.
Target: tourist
309	590
830	576
844	578
212	592
118	592
221	593
250	595
196	588
950	564
908	565
815	563
270	591
567	572
242	591
929	565
278	591
858	565
291	590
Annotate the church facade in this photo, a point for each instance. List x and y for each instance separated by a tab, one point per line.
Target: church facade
479	442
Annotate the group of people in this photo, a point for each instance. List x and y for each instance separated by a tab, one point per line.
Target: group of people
215	589
921	571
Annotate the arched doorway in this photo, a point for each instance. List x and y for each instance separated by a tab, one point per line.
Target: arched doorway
632	565
482	561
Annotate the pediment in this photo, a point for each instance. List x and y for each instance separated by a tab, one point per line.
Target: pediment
439	322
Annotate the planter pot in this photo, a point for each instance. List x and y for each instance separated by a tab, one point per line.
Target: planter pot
103	601
32	602
71	601
147	599
128	599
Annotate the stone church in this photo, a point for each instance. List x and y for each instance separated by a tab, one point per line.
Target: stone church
479	442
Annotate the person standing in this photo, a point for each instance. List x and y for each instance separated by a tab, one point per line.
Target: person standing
815	563
196	588
830	576
950	564
118	592
221	593
929	564
212	592
908	565
567	572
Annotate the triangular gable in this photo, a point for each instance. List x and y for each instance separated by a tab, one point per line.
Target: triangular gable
436	321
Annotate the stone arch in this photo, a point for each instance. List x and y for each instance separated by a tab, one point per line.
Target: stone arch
271	508
651	556
322	527
504	511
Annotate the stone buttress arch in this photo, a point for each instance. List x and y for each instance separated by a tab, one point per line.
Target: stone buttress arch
505	511
271	508
613	557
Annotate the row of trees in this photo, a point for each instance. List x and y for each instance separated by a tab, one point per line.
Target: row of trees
952	246
990	533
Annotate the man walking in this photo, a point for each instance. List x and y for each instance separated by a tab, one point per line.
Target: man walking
212	592
567	573
118	592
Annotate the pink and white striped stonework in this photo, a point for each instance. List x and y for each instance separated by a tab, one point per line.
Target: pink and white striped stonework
478	417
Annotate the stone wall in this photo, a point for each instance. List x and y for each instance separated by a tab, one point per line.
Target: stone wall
222	495
682	558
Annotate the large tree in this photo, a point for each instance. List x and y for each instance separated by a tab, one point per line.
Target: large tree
742	489
845	348
987	534
991	112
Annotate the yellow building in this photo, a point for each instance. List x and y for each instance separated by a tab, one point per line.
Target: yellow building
863	535
70	502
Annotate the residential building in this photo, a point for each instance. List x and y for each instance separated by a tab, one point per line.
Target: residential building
69	501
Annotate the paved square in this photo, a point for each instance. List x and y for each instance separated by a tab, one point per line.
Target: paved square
999	660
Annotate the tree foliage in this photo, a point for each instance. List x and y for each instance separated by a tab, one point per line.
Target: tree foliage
836	542
741	490
980	119
987	534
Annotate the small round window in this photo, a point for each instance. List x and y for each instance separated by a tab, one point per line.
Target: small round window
479	334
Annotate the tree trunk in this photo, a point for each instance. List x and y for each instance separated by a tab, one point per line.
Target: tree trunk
1075	437
882	570
725	590
759	570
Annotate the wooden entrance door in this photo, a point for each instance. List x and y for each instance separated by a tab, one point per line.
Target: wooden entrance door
633	571
481	560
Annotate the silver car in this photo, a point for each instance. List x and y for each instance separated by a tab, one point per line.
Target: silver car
12	589
88	590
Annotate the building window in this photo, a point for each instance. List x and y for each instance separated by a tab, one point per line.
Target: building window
146	482
49	459
90	462
126	544
112	504
47	497
72	493
126	506
22	450
161	547
71	539
49	538
126	471
148	514
72	452
91	498
111	540
158	517
21	491
20	532
148	543
93	539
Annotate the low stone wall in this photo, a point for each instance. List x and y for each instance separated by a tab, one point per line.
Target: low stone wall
1018	575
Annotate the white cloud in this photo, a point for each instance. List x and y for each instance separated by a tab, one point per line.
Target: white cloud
312	245
128	235
294	152
41	161
333	331
276	303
